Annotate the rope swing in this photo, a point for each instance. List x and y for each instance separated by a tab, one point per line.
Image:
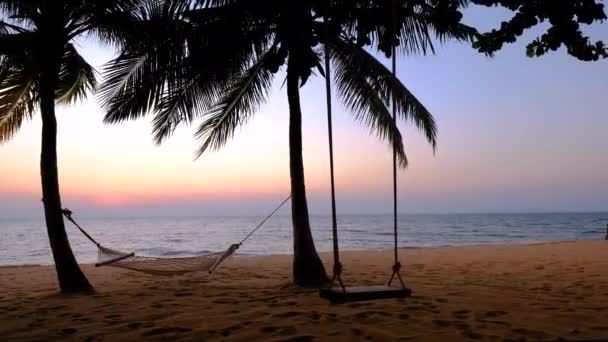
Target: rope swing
341	293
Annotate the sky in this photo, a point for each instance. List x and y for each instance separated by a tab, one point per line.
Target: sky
515	135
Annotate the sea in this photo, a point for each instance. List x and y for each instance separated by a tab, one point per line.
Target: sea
24	241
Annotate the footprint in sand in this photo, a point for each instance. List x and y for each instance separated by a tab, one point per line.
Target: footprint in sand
532	334
446	323
166	330
404	316
496	313
461	314
357	332
303	338
470	334
134	325
287	331
229	330
69	331
596	328
55	307
147	325
287	314
269	330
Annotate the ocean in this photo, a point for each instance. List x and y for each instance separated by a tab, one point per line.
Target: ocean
24	241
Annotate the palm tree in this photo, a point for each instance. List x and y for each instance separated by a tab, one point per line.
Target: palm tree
217	60
39	67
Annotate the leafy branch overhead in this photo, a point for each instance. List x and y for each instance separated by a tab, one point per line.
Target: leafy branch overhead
368	24
565	18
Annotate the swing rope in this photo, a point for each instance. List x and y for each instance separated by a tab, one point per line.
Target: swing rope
397	264
337	268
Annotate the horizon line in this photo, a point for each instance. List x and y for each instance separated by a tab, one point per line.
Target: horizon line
163	216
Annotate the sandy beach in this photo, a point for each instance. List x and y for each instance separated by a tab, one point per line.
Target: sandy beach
519	292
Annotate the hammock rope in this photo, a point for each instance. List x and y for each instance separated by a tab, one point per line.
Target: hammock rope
164	266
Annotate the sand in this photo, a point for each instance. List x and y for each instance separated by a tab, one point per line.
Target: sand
519	292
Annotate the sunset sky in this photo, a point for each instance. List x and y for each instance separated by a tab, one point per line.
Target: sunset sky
515	134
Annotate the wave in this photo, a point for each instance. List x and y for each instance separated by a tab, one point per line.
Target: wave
593	232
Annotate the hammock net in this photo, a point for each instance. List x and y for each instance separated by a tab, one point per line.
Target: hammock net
163	266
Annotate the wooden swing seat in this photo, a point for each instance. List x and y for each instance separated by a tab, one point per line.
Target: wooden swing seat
339	295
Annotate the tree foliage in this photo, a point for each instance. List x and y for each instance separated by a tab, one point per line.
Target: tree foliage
223	56
27	29
564	17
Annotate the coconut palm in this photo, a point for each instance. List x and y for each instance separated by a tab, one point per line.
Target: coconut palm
39	68
217	60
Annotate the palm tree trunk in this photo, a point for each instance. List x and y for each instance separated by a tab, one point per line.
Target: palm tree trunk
308	269
71	278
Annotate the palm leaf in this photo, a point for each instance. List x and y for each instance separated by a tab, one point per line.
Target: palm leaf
358	95
132	86
17	99
183	100
76	77
236	106
386	86
210	68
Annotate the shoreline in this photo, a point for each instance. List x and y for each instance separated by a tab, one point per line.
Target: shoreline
541	291
342	250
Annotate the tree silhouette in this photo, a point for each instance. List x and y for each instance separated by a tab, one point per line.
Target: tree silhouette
217	60
564	18
39	67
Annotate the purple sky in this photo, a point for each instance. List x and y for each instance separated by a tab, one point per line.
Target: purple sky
515	134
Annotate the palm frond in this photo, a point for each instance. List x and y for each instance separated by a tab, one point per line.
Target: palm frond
209	66
16	44
236	106
19	8
141	22
77	78
386	86
153	68
132	86
366	104
414	36
18	98
184	99
204	79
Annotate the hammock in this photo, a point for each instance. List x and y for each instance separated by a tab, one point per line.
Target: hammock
164	266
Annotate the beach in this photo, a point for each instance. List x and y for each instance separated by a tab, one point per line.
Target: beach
491	292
